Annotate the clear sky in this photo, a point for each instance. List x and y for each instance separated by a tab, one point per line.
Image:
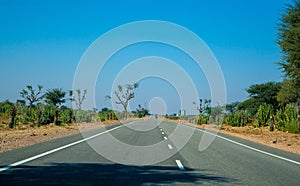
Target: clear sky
42	42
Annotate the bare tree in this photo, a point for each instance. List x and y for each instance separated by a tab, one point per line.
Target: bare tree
124	94
32	96
79	99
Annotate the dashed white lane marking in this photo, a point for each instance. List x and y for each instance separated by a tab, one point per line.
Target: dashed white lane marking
162	133
179	164
165	138
170	146
54	150
160	129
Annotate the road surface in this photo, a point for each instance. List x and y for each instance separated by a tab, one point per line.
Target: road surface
74	160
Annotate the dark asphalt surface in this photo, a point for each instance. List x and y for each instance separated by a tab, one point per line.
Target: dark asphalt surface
222	163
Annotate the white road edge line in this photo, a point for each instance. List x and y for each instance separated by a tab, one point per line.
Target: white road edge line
165	138
170	146
54	150
252	148
179	164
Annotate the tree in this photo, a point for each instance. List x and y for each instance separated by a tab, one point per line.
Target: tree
260	94
31	95
79	99
124	94
289	43
55	97
232	107
204	110
140	112
250	105
287	93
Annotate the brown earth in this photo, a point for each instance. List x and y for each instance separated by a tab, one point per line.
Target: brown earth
277	139
16	138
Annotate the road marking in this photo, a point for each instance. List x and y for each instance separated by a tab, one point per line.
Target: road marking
165	138
160	129
170	146
179	164
252	148
162	133
54	150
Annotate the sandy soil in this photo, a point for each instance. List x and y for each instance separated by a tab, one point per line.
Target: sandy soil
17	138
277	139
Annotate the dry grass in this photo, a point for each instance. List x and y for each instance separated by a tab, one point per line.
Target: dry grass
27	135
277	139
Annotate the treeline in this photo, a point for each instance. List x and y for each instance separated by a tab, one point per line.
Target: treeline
264	108
37	109
276	104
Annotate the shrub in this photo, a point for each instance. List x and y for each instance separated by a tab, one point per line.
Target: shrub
238	118
286	119
263	114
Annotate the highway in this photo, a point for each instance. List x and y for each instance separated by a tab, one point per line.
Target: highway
75	160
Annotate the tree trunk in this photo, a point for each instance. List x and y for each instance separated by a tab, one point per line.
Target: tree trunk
13	116
298	114
125	117
56	116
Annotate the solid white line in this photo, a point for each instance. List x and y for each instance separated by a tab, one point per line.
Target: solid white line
179	164
162	133
54	150
252	148
170	146
165	138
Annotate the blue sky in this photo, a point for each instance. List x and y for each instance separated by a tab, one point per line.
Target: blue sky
42	42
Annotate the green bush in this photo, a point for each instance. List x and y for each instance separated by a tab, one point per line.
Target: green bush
202	119
264	113
66	115
286	119
47	115
280	122
238	118
107	114
172	117
291	118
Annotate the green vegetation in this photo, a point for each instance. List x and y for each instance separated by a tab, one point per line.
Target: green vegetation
47	108
123	95
204	110
140	112
267	113
172	117
274	103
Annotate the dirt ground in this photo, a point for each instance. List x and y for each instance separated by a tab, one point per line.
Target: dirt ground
16	138
277	139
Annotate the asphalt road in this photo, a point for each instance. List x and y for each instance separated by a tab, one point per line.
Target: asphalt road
124	155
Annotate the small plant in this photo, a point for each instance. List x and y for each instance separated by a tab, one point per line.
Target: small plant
263	114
